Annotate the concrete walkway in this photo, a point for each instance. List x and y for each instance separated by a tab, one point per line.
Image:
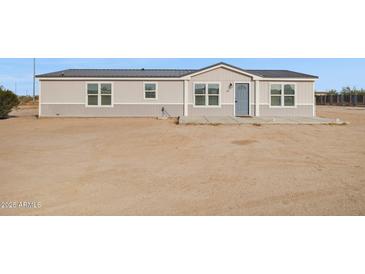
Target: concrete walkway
230	120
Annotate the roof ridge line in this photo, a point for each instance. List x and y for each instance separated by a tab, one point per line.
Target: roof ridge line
124	69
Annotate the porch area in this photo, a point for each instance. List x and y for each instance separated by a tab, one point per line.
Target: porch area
230	120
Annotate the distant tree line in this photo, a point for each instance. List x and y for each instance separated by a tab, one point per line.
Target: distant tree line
347	91
346	97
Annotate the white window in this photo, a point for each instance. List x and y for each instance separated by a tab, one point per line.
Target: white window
93	94
289	95
206	94
150	91
99	94
276	93
200	94
282	95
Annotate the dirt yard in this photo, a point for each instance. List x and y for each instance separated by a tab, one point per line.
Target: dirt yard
123	166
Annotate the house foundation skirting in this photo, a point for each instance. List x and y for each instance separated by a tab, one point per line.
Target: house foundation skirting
298	111
223	110
170	110
118	110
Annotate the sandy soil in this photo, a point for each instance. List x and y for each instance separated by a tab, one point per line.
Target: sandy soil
123	166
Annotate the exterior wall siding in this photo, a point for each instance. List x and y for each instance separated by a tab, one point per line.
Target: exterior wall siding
225	77
299	111
119	110
133	92
63	92
304	92
224	110
123	91
304	100
68	97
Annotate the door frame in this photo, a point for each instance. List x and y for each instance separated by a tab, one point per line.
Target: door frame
234	96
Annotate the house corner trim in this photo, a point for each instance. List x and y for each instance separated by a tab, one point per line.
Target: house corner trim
186	82
257	96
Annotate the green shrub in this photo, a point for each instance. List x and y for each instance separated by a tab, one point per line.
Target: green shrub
8	100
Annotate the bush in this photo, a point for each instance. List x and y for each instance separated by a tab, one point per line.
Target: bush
8	100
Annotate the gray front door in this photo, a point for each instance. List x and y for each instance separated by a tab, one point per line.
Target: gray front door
241	99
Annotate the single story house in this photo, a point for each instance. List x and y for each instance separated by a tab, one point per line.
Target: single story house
217	90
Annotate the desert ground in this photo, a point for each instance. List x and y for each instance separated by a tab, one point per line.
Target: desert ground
146	166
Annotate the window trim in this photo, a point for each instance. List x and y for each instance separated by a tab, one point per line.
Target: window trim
144	91
99	105
207	95
282	94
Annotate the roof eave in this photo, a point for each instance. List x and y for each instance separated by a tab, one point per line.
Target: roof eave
188	77
290	78
185	76
106	78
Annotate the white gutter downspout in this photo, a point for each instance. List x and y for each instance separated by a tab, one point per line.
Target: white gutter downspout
186	97
257	96
39	98
314	100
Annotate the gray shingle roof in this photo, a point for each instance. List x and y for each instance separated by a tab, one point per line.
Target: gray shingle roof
279	73
271	73
165	73
120	73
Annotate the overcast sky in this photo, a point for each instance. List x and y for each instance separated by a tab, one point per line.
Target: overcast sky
16	74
